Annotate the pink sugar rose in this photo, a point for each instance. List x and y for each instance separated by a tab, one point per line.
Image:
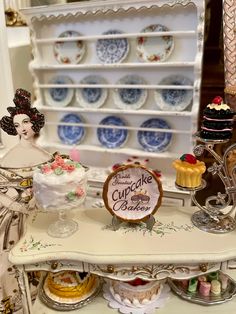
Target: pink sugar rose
54	165
79	191
59	160
68	167
46	169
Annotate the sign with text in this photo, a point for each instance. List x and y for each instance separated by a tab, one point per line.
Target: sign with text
132	193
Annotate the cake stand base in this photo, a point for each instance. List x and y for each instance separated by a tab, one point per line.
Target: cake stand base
62	228
205	223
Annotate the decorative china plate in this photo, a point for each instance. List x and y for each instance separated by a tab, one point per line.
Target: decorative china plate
196	297
130	98
155	49
112	50
154	141
109	137
59	96
71	134
69	51
91	97
174	99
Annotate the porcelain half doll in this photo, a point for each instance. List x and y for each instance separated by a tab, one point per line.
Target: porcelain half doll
16	169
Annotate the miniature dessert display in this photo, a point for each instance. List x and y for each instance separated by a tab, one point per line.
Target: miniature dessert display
189	171
68	290
217	121
60	185
135	293
213	288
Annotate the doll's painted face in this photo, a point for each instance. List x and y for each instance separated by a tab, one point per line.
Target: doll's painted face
23	126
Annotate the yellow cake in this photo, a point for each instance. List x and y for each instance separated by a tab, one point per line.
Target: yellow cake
70	286
189	171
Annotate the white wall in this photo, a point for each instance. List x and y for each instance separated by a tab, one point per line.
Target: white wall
6	85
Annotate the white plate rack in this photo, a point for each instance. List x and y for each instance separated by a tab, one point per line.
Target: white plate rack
91	19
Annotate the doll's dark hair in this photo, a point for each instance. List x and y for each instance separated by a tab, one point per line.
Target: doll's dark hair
22	101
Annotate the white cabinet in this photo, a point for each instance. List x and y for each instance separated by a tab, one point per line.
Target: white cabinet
174	249
90	24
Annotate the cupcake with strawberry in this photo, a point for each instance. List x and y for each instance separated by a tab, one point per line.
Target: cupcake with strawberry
189	171
217	121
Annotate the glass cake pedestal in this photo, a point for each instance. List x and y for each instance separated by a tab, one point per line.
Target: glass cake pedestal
63	227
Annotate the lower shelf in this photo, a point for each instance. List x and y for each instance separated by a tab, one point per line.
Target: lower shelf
175	305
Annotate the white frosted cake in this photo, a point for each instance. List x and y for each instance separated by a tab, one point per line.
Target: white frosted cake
135	293
60	184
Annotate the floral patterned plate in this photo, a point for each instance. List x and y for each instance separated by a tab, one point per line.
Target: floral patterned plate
91	97
154	141
130	98
112	50
174	99
71	134
69	51
109	137
59	96
155	49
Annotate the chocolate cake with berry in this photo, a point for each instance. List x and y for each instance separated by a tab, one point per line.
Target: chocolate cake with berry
217	121
189	171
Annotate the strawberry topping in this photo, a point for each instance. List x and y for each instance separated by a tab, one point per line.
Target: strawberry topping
189	158
137	282
217	100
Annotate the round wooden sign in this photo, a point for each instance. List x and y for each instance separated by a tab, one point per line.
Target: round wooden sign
132	193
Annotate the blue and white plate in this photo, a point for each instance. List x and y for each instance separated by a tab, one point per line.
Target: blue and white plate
130	98
71	134
59	96
174	99
112	50
91	97
154	141
111	137
69	51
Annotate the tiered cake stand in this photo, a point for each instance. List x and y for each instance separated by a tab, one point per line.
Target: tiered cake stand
216	215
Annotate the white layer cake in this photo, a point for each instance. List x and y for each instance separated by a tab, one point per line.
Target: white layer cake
60	184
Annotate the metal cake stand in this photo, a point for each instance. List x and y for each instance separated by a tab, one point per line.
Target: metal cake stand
216	216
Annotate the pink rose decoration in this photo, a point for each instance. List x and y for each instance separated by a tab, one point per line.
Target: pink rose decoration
70	168
46	169
79	191
54	165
